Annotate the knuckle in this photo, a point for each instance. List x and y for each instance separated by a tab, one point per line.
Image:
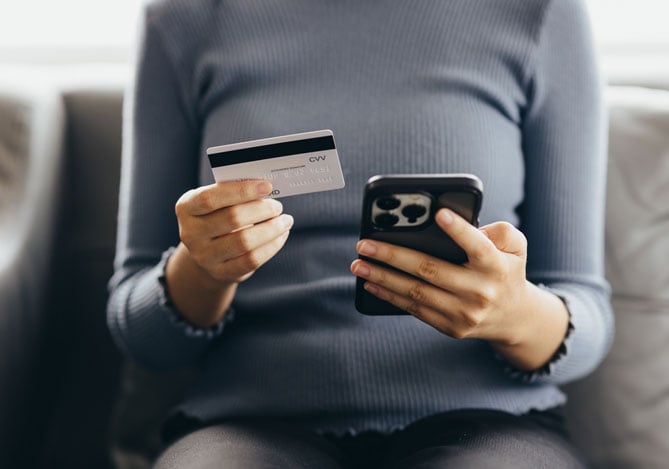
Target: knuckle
484	295
252	261
506	229
189	233
459	333
186	237
391	297
381	277
474	319
428	269
205	200
184	203
522	240
244	241
234	216
512	236
183	231
414	308
180	207
417	292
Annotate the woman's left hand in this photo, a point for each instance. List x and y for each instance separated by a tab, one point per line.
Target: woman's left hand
482	298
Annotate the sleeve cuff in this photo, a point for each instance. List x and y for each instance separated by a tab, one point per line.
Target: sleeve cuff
175	316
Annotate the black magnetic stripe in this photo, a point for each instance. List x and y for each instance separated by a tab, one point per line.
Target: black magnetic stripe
275	150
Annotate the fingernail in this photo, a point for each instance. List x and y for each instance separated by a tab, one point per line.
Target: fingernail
371	288
445	216
264	188
366	248
361	269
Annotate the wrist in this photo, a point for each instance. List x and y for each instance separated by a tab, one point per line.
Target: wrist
540	326
199	297
183	261
516	328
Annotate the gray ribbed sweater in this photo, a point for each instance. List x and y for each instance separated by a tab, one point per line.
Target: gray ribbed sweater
504	89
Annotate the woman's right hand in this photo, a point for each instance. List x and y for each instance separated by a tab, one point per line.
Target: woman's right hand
231	228
227	230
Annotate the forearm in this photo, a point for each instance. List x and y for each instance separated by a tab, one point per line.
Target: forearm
539	334
202	300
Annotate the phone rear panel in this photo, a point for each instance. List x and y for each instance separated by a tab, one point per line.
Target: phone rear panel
400	210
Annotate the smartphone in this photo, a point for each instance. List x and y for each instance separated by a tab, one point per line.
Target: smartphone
399	209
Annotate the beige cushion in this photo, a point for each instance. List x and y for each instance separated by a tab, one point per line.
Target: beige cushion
638	195
620	414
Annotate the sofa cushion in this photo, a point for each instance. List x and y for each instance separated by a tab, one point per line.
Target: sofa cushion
638	195
619	415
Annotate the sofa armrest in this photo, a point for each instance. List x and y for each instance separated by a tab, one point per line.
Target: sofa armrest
31	156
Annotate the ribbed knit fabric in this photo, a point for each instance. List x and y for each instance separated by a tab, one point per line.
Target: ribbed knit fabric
504	89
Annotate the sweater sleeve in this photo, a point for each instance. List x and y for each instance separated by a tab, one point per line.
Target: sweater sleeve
159	163
562	214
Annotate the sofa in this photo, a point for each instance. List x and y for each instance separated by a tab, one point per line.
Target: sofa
67	397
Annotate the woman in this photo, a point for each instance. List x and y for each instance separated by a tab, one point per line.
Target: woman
258	295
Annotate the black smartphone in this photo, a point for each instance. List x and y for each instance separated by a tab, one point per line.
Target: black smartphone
400	209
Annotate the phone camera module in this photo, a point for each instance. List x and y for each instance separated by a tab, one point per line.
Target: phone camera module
401	210
386	220
388	203
413	212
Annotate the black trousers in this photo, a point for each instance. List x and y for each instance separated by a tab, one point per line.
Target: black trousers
459	439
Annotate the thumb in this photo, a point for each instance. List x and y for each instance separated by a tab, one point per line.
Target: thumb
507	238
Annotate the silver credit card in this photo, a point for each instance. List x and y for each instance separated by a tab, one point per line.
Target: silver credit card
296	164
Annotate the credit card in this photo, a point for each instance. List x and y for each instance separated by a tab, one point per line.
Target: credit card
296	164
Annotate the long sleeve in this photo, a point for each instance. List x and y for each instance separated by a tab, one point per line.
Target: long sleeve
159	163
562	214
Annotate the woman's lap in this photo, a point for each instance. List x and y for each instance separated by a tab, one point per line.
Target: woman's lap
250	444
484	439
462	439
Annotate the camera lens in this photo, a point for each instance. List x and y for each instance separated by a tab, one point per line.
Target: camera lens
413	211
388	203
386	220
